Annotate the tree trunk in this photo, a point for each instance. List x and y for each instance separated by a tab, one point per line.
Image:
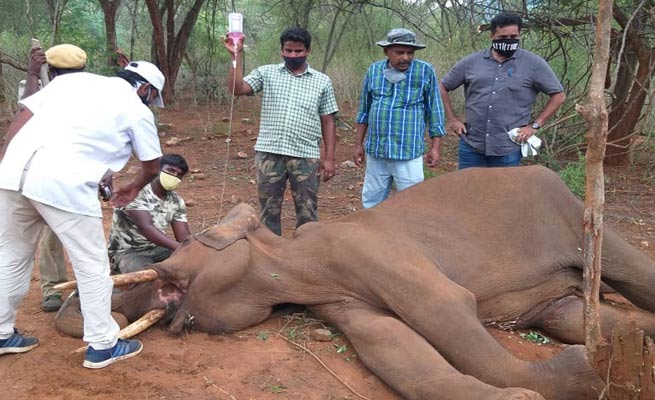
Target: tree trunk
169	47
594	111
636	68
2	85
109	9
626	117
56	10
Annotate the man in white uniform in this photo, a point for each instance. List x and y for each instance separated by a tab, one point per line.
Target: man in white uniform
62	141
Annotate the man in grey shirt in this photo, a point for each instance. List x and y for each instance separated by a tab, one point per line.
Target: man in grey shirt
500	87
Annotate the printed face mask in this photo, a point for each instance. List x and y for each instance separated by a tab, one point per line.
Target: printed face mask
169	182
294	63
505	47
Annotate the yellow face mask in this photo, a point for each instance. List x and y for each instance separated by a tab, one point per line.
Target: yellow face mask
169	182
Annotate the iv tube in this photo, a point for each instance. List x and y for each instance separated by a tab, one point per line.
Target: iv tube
235	32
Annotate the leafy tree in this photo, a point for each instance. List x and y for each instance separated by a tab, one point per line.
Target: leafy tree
170	41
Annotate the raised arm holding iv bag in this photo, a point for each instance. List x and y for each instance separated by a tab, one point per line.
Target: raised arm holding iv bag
235	32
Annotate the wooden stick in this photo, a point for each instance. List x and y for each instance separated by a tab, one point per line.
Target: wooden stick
361	396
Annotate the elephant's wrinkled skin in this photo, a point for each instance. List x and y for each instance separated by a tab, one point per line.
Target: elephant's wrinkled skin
409	282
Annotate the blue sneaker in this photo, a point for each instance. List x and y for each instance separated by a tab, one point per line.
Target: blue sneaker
18	343
123	349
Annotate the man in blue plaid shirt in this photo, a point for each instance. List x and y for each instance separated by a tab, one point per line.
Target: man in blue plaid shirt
400	99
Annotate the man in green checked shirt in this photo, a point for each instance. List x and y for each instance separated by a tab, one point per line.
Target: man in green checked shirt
400	99
298	107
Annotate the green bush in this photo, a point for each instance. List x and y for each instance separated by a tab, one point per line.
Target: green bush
574	177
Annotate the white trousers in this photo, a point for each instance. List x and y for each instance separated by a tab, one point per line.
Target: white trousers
21	222
382	172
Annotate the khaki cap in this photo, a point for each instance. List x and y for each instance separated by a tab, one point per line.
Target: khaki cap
66	56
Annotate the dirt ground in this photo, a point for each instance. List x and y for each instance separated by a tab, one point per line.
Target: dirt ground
257	363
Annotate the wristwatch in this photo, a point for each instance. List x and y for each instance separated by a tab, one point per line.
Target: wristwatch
535	125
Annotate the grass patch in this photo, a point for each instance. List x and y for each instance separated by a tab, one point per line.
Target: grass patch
574	176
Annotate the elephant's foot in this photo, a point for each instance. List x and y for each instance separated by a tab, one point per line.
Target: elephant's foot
568	376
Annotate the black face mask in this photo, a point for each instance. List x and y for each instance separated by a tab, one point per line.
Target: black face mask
294	63
146	97
505	47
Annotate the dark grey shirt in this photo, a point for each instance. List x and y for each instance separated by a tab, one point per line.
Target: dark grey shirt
499	96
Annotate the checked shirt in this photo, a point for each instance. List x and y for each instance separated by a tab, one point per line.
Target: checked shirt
397	113
292	106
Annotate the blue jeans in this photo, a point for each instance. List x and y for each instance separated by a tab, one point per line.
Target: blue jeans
382	172
468	158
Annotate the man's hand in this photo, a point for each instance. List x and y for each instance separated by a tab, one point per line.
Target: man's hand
326	169
37	59
524	133
358	155
456	126
123	196
433	157
229	45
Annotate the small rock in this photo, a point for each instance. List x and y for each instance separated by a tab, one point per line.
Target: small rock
320	335
645	243
195	171
249	132
225	119
190	203
228	140
245	120
172	141
252	181
199	177
351	187
348	164
242	154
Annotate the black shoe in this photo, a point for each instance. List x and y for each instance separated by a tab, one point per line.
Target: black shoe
51	303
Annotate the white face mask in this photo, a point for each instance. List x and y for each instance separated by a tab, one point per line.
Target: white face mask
169	182
393	75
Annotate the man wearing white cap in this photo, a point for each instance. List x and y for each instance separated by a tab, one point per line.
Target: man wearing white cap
61	143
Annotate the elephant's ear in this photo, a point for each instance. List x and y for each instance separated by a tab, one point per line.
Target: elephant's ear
241	220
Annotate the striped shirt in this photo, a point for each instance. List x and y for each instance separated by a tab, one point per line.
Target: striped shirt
397	114
292	106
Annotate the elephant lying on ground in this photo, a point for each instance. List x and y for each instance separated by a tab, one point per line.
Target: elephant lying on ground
411	281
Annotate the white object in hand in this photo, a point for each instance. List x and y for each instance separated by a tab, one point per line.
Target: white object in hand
529	147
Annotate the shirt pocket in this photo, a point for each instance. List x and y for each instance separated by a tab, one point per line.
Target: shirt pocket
381	89
521	91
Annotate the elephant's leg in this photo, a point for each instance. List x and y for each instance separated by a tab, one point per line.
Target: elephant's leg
628	270
406	361
445	314
563	319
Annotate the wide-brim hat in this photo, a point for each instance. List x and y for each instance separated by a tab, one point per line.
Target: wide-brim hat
66	56
152	74
400	37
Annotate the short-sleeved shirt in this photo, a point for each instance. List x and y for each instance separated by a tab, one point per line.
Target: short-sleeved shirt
82	125
499	96
125	235
292	106
397	114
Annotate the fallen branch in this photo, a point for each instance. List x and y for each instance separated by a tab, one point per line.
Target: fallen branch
326	367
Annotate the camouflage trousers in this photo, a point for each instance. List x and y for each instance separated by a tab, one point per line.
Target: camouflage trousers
125	261
273	171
